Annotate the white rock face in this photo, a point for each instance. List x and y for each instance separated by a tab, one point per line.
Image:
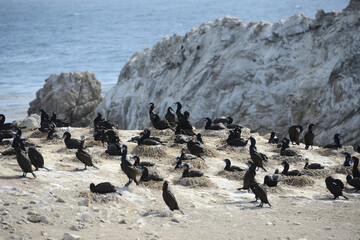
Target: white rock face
72	96
266	76
30	122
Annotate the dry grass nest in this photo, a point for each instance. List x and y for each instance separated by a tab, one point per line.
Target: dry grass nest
298	181
342	169
38	134
196	182
156	151
215	133
319	173
157	185
197	163
236	175
290	160
273	190
327	152
209	152
165	132
99	198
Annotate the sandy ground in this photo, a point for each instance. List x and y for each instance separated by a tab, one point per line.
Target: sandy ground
59	201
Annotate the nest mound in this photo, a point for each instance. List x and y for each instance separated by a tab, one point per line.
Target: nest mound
274	190
215	133
327	152
298	181
290	160
156	151
165	132
236	175
104	198
319	173
153	185
197	163
38	134
197	182
342	169
209	152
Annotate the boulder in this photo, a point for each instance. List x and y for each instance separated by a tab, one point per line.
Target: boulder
72	96
266	76
30	122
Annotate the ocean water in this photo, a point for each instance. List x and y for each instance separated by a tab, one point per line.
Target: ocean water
42	37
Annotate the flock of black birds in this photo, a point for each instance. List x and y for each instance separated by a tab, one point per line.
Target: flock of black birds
184	133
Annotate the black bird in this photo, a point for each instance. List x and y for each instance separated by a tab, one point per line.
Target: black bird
191	173
36	158
84	156
137	162
260	193
45	123
347	159
160	124
58	122
101	123
286	171
284	151
169	198
5	126
130	170
170	117
185	126
355	182
199	139
111	136
178	163
355	171
312	165
146	177
256	157
179	114
231	125
337	143
147	141
294	133
230	168
23	161
234	139
210	126
273	179
335	186
358	148
222	120
113	149
273	138
309	137
18	140
195	148
249	176
102	188
71	143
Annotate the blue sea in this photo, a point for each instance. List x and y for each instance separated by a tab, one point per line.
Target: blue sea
42	37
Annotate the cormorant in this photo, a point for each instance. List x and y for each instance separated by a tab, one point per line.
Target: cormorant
231	125
260	193
309	137
355	182
335	186
5	126
355	171
195	148
130	170
224	120
58	122
84	156
192	173
284	151
294	133
146	177
273	138
36	158
230	168
137	162
256	157
286	171
185	156
312	165
160	124
179	114
234	139
102	188
337	143
169	198
170	117
210	126
23	161
71	143
347	159
249	176
273	179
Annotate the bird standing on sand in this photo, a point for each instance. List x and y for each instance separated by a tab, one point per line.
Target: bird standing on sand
169	198
309	137
335	186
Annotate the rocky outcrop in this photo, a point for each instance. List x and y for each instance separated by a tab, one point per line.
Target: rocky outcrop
266	76
73	96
